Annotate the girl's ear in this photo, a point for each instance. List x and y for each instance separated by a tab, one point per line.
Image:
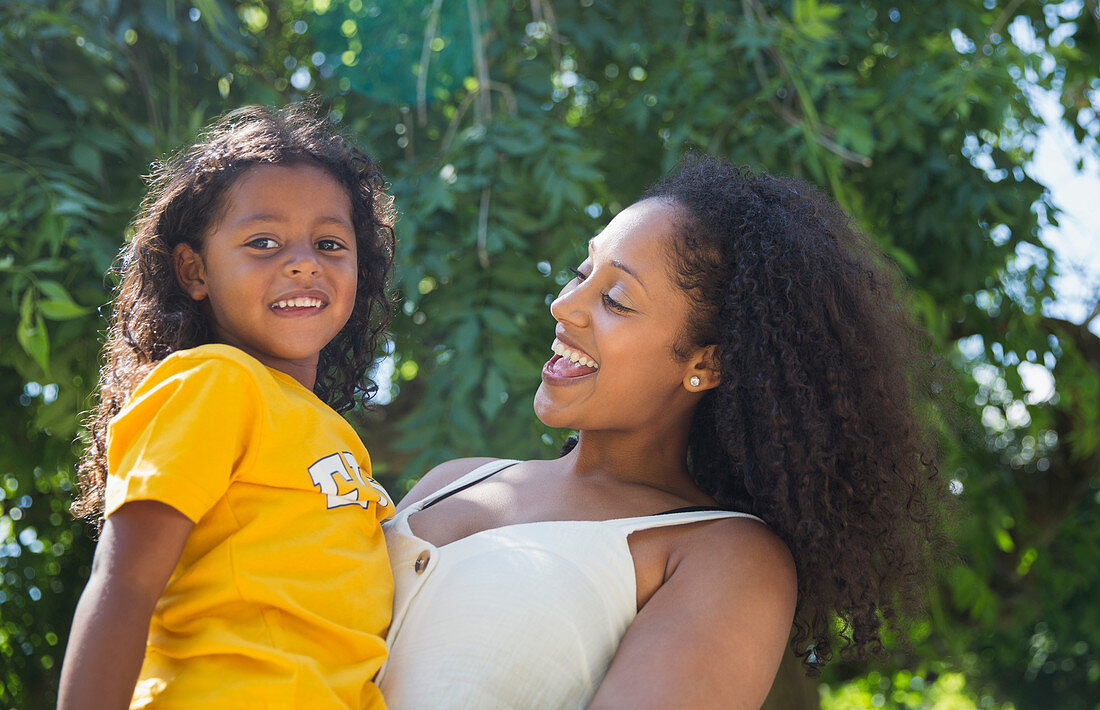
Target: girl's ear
190	271
702	371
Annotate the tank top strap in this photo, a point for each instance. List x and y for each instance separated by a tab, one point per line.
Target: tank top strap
646	522
478	474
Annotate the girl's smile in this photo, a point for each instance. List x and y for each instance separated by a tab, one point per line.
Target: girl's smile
300	304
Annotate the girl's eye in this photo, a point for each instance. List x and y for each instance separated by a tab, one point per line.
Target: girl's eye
330	245
263	243
577	273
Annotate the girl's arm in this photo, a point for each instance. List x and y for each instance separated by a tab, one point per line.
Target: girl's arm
140	546
713	633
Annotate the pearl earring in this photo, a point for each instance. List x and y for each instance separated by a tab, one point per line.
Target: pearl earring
694	381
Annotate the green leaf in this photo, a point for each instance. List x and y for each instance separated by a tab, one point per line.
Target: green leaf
465	336
498	322
51	230
1004	540
905	260
58	304
87	159
812	18
493	393
31	332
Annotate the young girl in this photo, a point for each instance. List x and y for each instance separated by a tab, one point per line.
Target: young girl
241	562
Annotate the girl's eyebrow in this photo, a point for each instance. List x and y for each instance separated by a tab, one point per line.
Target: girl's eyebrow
267	217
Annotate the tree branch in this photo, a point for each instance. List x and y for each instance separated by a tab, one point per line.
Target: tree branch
425	59
1091	316
483	227
483	107
999	24
752	10
1083	339
1093	12
543	11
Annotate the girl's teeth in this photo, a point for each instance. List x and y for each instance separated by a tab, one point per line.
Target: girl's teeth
299	303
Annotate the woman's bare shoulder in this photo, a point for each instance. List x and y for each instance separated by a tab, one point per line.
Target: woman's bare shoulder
738	559
730	594
441	476
742	542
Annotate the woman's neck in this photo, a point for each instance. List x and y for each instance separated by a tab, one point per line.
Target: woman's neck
653	458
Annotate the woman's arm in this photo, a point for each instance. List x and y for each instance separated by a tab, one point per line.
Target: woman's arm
713	633
139	548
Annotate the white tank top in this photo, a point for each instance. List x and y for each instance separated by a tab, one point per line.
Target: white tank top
520	617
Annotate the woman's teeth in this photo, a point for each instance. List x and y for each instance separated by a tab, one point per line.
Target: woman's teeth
576	356
298	303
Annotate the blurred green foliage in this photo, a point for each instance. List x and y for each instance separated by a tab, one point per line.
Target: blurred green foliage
511	132
905	690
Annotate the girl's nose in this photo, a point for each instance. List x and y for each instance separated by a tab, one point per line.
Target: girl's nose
303	261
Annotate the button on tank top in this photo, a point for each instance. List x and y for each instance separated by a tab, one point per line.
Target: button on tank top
523	616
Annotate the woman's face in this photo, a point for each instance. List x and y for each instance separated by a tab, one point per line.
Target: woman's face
618	319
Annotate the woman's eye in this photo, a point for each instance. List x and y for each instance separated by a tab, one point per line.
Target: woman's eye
263	243
608	301
614	305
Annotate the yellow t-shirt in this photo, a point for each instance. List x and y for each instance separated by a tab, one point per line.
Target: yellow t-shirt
283	593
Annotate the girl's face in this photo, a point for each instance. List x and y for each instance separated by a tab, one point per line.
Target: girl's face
277	272
622	315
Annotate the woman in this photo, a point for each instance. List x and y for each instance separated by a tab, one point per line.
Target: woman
741	378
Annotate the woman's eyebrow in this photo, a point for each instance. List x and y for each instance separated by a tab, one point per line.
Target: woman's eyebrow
620	265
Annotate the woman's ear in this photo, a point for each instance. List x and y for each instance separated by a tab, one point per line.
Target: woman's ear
702	371
190	271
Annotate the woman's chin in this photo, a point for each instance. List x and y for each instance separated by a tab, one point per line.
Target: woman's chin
547	411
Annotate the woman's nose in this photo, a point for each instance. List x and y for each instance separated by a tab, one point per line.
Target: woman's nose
569	307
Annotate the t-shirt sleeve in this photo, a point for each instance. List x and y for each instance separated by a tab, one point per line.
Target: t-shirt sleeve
185	432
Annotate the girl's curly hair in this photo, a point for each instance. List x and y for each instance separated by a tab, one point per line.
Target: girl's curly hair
817	426
152	317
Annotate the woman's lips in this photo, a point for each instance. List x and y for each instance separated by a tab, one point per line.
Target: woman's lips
571	352
559	368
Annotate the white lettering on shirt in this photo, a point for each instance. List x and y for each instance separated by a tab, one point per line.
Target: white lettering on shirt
335	472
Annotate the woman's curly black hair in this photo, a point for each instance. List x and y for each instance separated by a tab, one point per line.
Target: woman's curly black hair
818	425
152	317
